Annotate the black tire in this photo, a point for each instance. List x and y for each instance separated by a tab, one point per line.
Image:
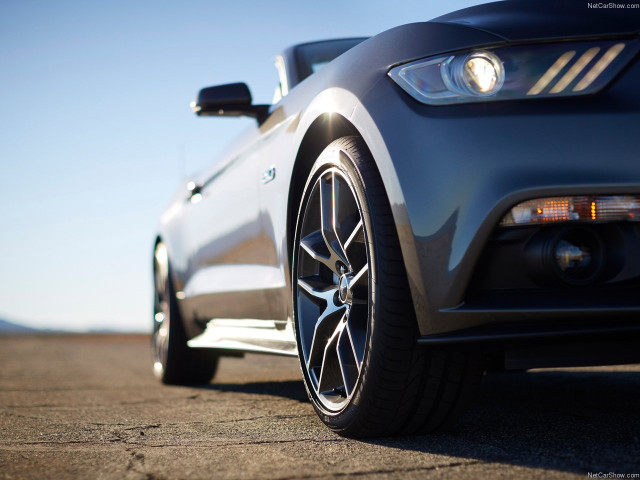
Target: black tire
383	382
174	363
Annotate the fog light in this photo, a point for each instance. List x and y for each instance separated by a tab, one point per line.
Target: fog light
572	257
577	255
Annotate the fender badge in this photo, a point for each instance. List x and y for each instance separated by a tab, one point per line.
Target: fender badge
268	175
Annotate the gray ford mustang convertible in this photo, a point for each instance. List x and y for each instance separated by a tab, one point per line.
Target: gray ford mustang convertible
414	209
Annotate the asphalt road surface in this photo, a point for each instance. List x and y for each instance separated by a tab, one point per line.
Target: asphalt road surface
87	406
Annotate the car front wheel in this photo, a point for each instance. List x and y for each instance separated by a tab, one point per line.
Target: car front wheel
355	325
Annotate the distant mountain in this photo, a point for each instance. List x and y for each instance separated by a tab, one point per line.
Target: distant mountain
8	327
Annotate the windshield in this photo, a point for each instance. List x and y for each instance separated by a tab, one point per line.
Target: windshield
311	57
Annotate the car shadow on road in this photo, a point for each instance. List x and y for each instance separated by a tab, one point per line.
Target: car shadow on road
290	389
574	421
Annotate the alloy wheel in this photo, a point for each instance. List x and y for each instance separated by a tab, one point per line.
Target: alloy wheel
333	294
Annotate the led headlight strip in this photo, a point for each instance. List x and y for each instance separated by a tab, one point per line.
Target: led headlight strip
510	73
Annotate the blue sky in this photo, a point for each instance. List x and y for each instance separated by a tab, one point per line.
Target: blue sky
96	133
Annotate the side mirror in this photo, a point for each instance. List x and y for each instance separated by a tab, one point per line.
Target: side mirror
230	100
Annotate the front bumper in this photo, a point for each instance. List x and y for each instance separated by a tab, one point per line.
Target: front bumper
460	168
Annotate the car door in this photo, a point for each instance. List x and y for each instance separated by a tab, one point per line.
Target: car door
229	264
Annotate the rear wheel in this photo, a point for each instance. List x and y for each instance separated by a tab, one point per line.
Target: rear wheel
355	326
173	361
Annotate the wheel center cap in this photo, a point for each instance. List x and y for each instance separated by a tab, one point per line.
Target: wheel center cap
344	288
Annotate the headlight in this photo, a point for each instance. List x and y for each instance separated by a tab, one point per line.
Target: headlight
479	74
597	208
511	73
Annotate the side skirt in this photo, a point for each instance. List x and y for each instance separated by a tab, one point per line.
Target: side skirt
247	335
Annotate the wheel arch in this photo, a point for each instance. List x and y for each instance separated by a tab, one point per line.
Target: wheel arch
326	128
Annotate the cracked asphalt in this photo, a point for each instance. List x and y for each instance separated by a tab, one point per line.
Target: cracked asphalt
87	406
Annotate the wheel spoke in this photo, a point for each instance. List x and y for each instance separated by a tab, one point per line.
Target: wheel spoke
316	290
353	236
360	286
357	335
315	245
324	327
328	215
349	364
360	275
331	375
